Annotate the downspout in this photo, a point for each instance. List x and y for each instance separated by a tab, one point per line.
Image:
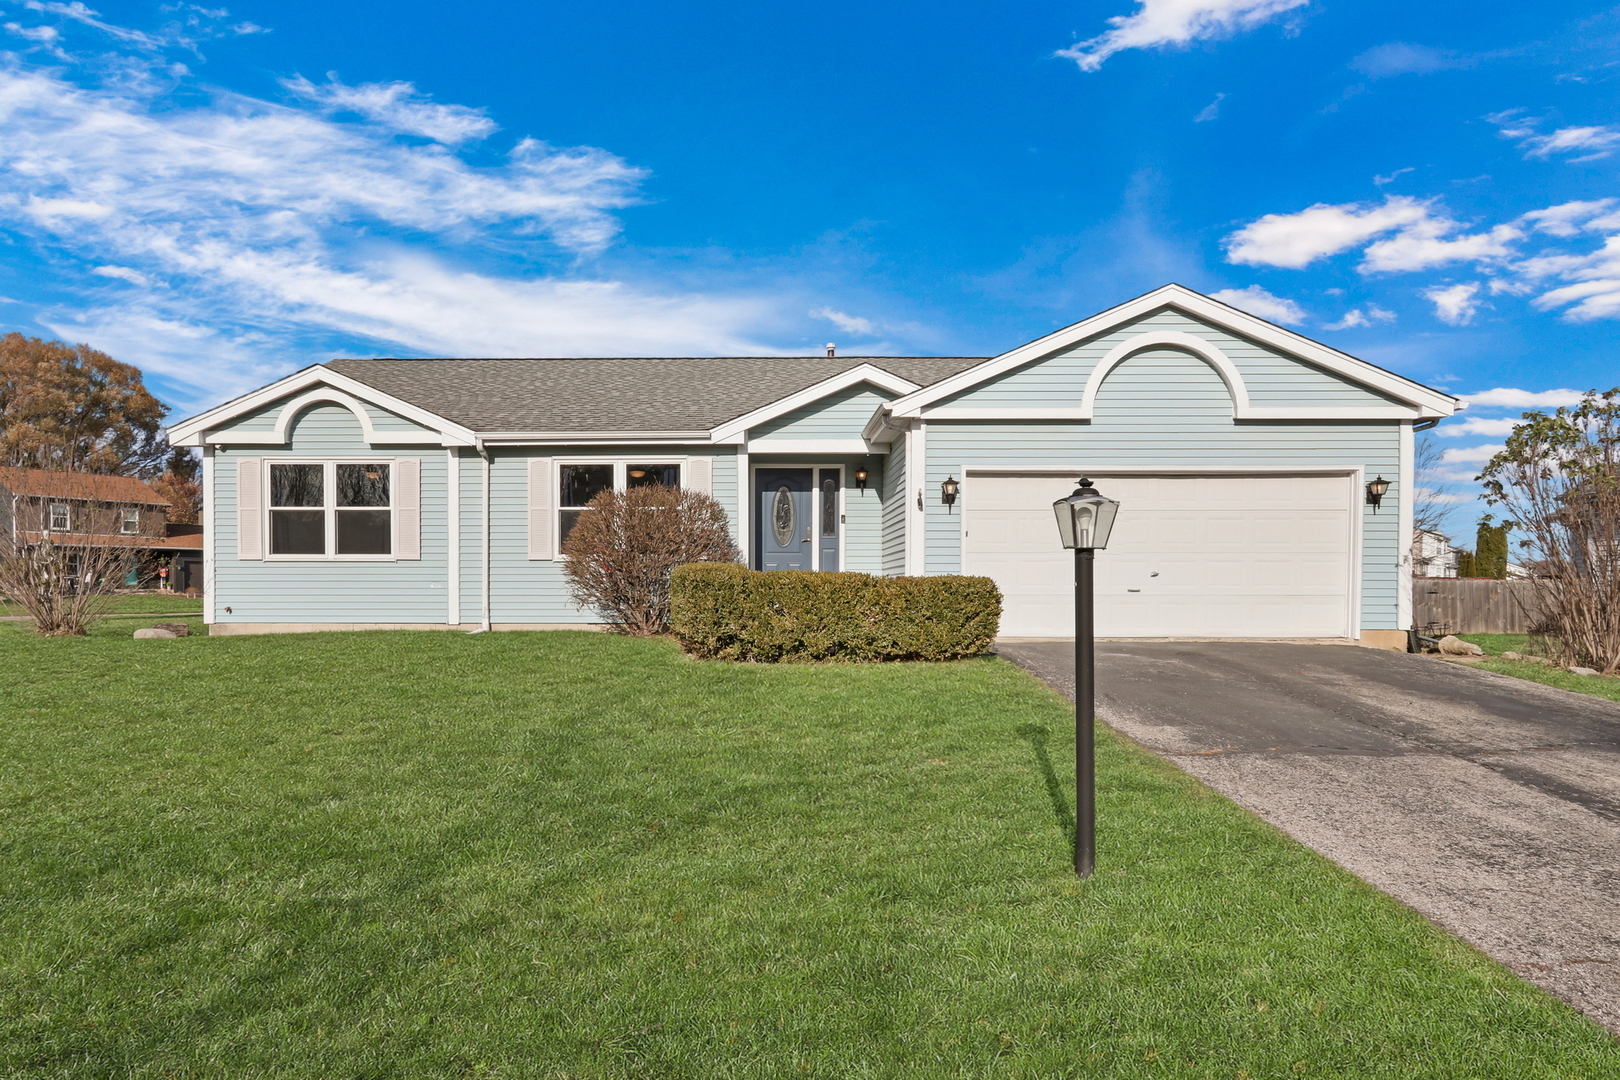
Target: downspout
484	626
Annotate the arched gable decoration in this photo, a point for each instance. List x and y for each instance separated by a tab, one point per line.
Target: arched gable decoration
1175	339
322	396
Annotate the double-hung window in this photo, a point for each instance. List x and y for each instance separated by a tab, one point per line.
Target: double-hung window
332	508
580	482
132	520
61	517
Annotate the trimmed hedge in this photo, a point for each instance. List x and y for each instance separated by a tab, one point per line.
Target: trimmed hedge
725	611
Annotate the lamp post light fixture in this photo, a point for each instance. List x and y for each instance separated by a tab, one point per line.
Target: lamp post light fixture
948	491
1376	490
1084	521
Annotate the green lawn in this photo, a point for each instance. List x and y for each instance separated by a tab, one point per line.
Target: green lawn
574	855
134	604
1496	644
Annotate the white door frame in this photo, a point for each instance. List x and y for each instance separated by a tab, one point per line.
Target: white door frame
815	508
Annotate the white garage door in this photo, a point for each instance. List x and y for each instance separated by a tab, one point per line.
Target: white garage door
1208	556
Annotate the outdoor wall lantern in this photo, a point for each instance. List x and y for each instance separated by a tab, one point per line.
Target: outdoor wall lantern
860	478
1376	489
1084	521
948	491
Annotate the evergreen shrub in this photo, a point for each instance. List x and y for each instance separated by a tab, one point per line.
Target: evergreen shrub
725	611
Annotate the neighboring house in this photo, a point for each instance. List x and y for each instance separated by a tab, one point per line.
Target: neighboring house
434	493
1433	554
91	510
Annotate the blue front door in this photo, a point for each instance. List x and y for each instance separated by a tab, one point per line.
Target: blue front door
783	534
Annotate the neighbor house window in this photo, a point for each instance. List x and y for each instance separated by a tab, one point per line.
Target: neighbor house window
578	484
61	517
332	507
132	521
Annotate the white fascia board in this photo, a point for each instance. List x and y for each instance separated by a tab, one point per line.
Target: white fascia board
194	431
894	384
1428	401
581	438
882	429
950	413
762	447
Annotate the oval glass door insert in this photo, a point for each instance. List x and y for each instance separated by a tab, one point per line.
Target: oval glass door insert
784	522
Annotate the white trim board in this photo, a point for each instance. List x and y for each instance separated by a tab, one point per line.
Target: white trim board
894	384
1427	402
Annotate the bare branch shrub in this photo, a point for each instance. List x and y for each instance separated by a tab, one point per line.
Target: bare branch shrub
622	549
65	581
1558	477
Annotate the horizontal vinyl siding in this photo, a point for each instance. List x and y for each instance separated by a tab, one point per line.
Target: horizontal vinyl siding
1273	379
336	590
524	590
1165	408
894	509
263	421
839	415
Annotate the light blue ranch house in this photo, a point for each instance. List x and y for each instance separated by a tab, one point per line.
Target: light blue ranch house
434	494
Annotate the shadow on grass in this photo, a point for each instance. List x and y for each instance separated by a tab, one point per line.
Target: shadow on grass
1036	735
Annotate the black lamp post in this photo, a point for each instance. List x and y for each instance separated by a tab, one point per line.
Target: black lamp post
1084	521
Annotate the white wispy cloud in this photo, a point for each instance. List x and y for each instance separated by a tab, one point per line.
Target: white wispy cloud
1471	455
276	224
1404	58
397	106
1506	397
1210	111
1590	142
1407	235
1390	178
1477	425
1371	315
1299	239
1257	301
849	324
1161	23
1454	304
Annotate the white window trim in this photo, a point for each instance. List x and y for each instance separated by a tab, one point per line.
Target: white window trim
131	522
329	508
50	517
621	470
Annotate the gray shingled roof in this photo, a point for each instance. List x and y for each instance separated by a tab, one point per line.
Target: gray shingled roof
621	394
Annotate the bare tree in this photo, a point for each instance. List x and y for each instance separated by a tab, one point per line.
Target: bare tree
622	548
64	573
1558	476
1431	502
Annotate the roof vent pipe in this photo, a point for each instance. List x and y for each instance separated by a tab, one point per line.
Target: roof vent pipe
831	348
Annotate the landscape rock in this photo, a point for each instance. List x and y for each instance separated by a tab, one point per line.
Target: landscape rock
178	629
1452	645
1582	671
1511	655
155	632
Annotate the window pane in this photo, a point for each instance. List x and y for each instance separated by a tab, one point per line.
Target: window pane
363	532
569	518
297	532
297	485
362	485
829	507
582	483
649	475
132	521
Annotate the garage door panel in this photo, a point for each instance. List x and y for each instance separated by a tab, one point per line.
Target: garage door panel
1231	556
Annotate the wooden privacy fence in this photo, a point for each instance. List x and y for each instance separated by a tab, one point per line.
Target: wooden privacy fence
1473	605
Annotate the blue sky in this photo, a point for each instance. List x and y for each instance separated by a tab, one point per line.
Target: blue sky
223	196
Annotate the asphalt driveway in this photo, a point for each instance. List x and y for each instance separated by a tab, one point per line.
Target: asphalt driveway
1489	804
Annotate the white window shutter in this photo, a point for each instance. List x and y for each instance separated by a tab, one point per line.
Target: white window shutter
250	508
408	508
540	515
700	475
